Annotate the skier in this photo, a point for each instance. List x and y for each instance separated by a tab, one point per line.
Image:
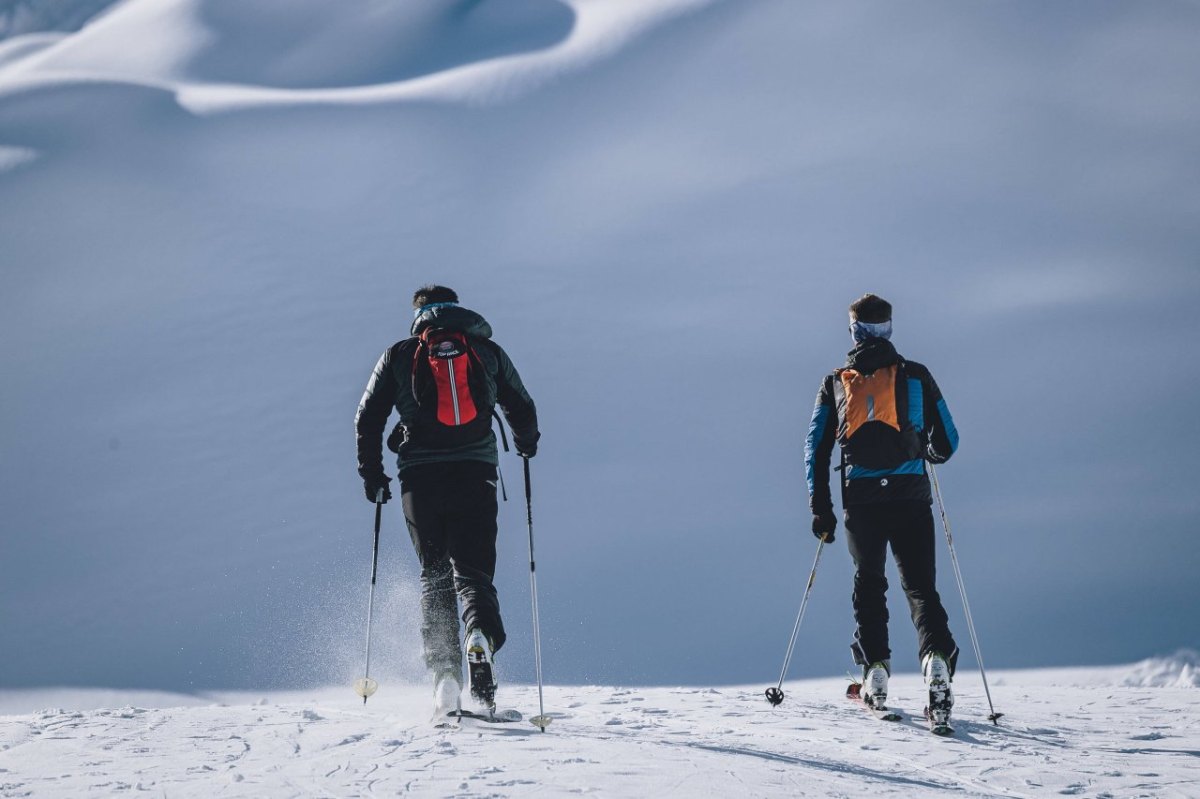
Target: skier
444	382
888	417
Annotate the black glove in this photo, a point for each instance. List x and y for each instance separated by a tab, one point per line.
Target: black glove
526	446
823	525
934	457
372	484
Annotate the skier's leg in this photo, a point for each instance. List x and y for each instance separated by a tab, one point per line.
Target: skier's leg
866	538
472	543
439	611
439	620
914	546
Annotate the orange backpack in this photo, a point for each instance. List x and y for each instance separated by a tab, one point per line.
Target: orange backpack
878	425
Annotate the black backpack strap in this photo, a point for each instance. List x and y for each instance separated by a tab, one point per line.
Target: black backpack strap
500	422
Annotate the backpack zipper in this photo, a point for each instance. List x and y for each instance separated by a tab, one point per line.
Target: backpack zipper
454	392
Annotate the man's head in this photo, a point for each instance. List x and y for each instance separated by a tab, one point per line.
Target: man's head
871	309
870	317
433	295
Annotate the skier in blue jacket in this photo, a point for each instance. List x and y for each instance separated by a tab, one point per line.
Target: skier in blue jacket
889	418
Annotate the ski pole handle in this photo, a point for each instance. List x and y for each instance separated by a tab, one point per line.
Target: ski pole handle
528	487
378	524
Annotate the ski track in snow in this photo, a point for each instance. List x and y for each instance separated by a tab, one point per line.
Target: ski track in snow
1061	736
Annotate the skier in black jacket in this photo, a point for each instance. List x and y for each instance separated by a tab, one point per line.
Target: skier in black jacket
444	382
889	418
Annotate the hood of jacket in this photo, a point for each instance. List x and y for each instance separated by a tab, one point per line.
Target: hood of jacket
452	317
872	354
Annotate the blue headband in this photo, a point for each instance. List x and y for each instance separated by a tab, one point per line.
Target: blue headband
418	311
861	331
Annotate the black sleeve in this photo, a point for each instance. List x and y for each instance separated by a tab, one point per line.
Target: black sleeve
371	419
940	433
818	449
515	402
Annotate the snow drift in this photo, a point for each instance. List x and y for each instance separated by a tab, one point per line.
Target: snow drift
213	213
1068	732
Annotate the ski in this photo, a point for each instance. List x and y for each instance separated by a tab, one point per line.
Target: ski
854	694
499	717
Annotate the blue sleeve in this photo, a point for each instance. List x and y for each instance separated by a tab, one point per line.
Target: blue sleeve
940	431
818	448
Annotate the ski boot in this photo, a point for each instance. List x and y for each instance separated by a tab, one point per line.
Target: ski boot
447	693
937	679
875	686
479	669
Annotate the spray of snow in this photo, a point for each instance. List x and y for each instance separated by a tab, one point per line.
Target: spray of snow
1180	670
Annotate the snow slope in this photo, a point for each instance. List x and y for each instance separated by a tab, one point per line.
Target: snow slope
218	56
1068	732
213	212
26	17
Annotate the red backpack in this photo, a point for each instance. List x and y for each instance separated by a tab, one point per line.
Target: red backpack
451	388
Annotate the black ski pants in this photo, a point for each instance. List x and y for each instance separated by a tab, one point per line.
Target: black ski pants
450	509
908	527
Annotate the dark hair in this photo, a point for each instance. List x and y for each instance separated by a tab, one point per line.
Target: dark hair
427	295
871	309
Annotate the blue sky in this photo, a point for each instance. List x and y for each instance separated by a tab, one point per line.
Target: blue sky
666	243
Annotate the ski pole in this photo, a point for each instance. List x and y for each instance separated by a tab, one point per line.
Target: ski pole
541	720
937	492
775	694
365	686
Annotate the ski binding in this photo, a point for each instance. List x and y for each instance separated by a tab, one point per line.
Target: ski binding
854	693
938	726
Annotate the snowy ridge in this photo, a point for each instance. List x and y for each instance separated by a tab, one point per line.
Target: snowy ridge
1180	670
1086	739
24	17
216	60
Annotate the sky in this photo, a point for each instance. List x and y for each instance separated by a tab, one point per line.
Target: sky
213	219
